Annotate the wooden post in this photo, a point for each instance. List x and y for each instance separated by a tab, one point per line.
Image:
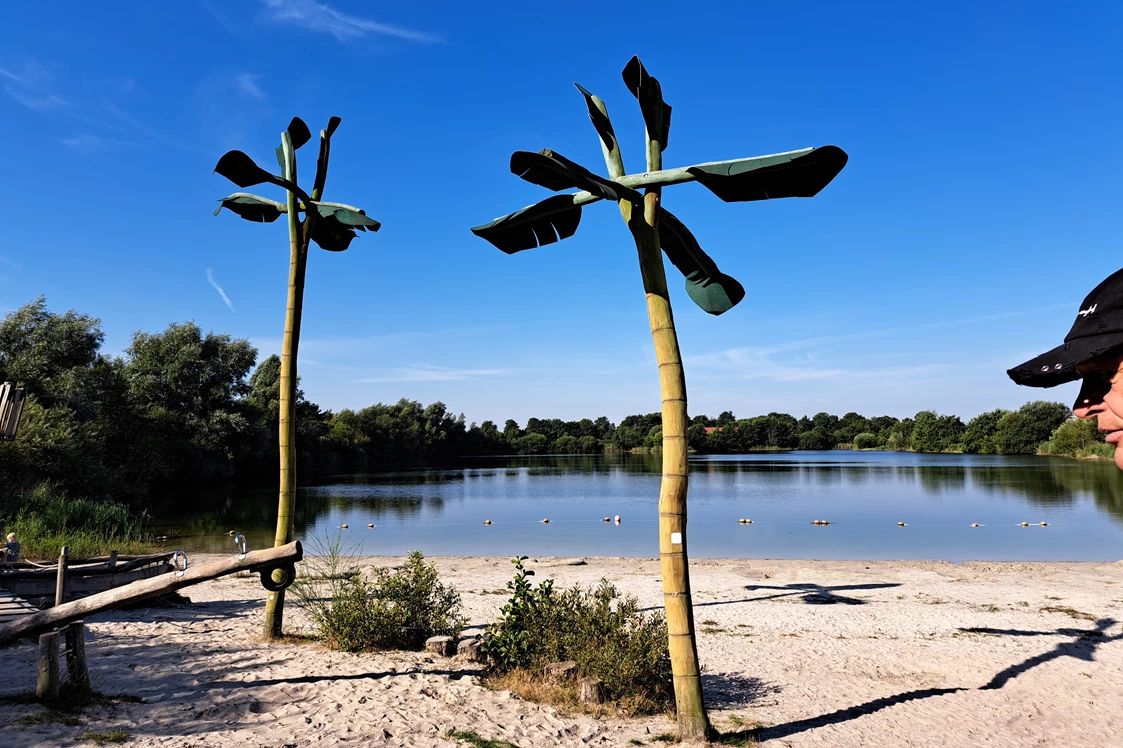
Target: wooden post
47	686
77	672
112	559
60	585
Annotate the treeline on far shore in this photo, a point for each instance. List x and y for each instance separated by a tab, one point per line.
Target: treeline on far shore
183	409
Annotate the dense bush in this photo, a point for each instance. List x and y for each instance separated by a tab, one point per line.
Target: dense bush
865	440
609	638
1078	438
398	609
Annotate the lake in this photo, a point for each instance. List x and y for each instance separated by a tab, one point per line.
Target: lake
441	510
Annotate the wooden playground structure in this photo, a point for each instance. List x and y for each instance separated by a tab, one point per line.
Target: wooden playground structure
65	620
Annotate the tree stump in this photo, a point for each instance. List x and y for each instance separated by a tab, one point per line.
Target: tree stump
559	672
471	650
47	686
445	646
591	691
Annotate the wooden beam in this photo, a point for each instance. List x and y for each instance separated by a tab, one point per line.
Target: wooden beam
143	589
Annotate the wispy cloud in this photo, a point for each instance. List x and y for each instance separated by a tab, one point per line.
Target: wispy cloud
87	142
428	373
247	84
33	86
214	284
323	18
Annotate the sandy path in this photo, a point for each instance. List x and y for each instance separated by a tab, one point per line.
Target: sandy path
821	653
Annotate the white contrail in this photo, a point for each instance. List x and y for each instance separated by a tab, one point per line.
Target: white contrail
211	280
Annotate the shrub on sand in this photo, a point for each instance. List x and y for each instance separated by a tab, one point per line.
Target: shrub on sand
398	609
609	637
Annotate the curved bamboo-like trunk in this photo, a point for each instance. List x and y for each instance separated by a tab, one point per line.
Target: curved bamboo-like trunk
298	261
693	723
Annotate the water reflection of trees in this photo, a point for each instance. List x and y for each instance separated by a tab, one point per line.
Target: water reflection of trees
393	495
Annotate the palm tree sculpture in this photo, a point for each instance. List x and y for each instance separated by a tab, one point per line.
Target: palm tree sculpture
330	225
800	173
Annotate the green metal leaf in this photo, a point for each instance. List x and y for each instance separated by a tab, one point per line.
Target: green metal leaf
252	207
600	121
347	215
712	290
796	174
551	220
241	170
646	89
298	132
555	172
335	227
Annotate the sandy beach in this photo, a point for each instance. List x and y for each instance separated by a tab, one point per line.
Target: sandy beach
837	653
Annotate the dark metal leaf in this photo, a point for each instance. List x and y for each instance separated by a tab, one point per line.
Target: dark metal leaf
298	132
712	290
347	215
600	121
551	220
797	174
333	123
252	207
241	170
335	227
555	172
646	88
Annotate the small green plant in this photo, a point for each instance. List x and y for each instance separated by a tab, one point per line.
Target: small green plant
397	610
473	738
1068	611
665	737
112	736
50	717
607	635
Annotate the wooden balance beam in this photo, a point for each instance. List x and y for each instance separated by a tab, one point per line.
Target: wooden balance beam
263	561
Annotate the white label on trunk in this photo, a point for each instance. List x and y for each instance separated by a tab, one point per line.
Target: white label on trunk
676	538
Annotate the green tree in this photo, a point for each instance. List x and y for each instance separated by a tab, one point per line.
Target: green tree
190	388
936	433
1024	430
978	438
1077	437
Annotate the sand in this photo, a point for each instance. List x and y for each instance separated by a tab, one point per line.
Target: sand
836	653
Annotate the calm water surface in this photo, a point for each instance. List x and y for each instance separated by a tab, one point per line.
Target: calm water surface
864	494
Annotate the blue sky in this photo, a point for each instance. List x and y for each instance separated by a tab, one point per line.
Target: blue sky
980	204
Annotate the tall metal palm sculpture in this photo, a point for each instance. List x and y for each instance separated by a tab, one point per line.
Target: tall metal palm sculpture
330	225
800	173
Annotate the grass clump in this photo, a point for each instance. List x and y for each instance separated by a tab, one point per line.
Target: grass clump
473	738
50	717
398	609
110	736
608	636
1069	611
45	519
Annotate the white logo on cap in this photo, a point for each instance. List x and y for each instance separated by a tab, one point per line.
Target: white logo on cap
1089	310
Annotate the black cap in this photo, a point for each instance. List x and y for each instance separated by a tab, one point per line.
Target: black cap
1098	329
